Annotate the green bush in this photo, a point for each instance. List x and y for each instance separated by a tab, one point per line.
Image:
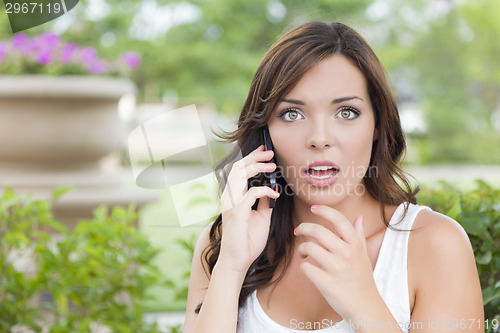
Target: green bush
94	278
478	211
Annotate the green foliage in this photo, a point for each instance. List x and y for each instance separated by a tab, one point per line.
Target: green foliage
180	288
220	52
454	64
478	212
95	276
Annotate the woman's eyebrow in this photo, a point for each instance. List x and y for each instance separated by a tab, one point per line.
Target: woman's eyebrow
345	99
335	101
293	101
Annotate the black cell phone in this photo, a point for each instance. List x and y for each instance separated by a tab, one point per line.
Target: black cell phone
269	178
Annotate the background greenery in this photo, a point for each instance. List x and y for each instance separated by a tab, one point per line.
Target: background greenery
478	211
441	55
93	279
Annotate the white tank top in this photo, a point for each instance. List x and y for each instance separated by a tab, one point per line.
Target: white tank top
390	275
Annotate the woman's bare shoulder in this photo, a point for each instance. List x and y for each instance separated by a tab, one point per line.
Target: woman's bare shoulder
438	246
434	231
443	279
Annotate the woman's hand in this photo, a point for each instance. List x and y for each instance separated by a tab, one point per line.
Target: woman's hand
341	268
245	231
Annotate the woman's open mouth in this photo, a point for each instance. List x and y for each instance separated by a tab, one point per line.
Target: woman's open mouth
322	173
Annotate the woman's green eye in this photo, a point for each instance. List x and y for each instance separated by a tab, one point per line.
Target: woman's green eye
348	113
345	113
290	115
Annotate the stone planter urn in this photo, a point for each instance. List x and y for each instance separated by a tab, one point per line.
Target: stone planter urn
56	131
60	120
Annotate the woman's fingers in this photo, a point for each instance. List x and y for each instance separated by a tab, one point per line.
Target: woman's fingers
249	166
258	192
317	276
342	225
322	235
323	257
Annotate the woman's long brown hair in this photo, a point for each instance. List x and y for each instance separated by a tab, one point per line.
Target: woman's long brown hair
288	59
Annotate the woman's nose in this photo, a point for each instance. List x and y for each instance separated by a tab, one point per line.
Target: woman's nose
320	135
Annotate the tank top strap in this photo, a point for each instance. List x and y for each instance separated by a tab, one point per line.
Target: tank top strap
400	222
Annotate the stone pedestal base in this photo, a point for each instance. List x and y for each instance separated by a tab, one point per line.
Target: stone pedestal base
90	188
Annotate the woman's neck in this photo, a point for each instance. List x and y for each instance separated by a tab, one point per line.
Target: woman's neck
351	207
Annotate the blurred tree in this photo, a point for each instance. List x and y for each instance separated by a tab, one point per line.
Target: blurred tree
458	81
443	55
215	56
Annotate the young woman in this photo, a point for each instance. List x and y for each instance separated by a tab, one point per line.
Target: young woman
336	253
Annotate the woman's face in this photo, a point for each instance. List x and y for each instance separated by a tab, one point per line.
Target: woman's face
323	131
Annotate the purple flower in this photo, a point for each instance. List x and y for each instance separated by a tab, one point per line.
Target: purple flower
3	50
88	55
50	40
97	67
34	46
44	57
131	59
68	52
19	40
48	49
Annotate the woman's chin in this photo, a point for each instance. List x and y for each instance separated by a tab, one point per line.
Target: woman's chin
328	195
328	199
